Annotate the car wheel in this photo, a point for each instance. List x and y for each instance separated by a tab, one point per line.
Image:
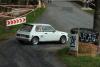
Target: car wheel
63	40
35	40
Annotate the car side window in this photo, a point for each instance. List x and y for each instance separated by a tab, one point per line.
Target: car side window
38	28
48	29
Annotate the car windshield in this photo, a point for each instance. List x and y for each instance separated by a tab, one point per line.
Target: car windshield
26	28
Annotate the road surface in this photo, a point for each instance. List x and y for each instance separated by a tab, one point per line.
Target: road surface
61	15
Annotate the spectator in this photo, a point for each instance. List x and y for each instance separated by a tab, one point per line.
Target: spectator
86	3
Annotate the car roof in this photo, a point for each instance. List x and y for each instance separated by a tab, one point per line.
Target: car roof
38	24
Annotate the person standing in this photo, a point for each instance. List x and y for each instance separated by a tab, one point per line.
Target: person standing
86	3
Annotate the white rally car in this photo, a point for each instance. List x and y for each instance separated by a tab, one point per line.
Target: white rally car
36	33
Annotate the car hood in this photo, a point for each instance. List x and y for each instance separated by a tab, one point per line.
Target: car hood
62	32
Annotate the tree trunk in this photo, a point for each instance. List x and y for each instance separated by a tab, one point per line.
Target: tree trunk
97	18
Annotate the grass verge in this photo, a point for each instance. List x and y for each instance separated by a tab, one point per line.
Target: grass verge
90	11
5	32
81	61
34	15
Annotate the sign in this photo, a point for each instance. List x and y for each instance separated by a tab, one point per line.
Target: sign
74	42
16	21
91	37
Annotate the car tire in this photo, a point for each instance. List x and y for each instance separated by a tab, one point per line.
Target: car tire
35	40
63	40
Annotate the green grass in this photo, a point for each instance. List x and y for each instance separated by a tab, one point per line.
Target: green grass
81	61
31	17
90	11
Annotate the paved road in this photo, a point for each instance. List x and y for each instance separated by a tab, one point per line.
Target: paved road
63	16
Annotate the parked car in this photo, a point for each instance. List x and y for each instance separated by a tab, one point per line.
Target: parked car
36	33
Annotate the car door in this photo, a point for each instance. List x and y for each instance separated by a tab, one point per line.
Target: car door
50	34
39	32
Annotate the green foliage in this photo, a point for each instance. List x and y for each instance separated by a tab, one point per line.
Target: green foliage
31	17
63	51
90	11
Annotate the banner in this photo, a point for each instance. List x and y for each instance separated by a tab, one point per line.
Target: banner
16	21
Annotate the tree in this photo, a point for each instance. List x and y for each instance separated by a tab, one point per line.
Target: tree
97	18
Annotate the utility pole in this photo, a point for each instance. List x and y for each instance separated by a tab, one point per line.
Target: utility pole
96	26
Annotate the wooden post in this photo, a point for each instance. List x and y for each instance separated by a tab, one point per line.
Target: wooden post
39	4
